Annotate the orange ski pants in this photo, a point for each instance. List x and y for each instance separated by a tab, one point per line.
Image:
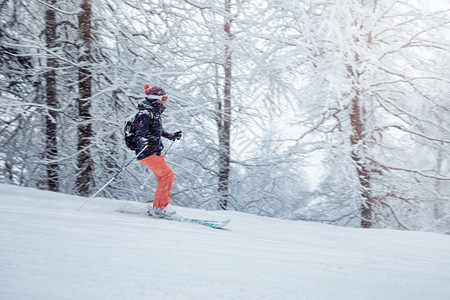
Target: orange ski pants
164	176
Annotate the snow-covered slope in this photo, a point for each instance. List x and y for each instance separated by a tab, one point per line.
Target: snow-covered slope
49	250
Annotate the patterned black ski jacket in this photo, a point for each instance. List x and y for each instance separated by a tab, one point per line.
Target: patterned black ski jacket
149	129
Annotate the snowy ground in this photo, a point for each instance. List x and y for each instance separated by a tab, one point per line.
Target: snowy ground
49	250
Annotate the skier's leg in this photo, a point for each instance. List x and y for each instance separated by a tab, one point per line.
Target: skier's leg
164	175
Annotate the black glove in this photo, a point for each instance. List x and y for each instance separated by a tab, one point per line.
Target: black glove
176	135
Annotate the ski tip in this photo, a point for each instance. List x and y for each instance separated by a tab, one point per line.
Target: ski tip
222	224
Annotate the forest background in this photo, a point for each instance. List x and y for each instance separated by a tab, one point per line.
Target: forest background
328	111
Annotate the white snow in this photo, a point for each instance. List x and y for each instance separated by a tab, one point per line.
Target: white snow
49	250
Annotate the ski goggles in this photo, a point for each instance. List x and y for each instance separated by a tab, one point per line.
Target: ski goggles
162	98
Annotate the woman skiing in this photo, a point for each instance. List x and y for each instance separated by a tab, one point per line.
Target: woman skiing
149	131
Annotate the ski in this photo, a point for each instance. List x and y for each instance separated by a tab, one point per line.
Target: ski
208	223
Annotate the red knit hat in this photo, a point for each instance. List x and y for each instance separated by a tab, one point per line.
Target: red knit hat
154	90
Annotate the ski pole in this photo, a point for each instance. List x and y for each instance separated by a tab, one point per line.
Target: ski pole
168	148
150	175
114	177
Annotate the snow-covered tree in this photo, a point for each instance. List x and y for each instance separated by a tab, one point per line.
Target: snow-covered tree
377	62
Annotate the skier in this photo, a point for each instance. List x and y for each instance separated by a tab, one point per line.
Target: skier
149	131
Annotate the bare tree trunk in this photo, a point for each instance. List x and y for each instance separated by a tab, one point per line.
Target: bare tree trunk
225	117
357	140
85	163
438	204
51	150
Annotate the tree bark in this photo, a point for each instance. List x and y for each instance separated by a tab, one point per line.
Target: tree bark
358	157
358	153
84	163
51	150
225	116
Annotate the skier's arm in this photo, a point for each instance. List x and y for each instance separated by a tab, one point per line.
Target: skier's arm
166	134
